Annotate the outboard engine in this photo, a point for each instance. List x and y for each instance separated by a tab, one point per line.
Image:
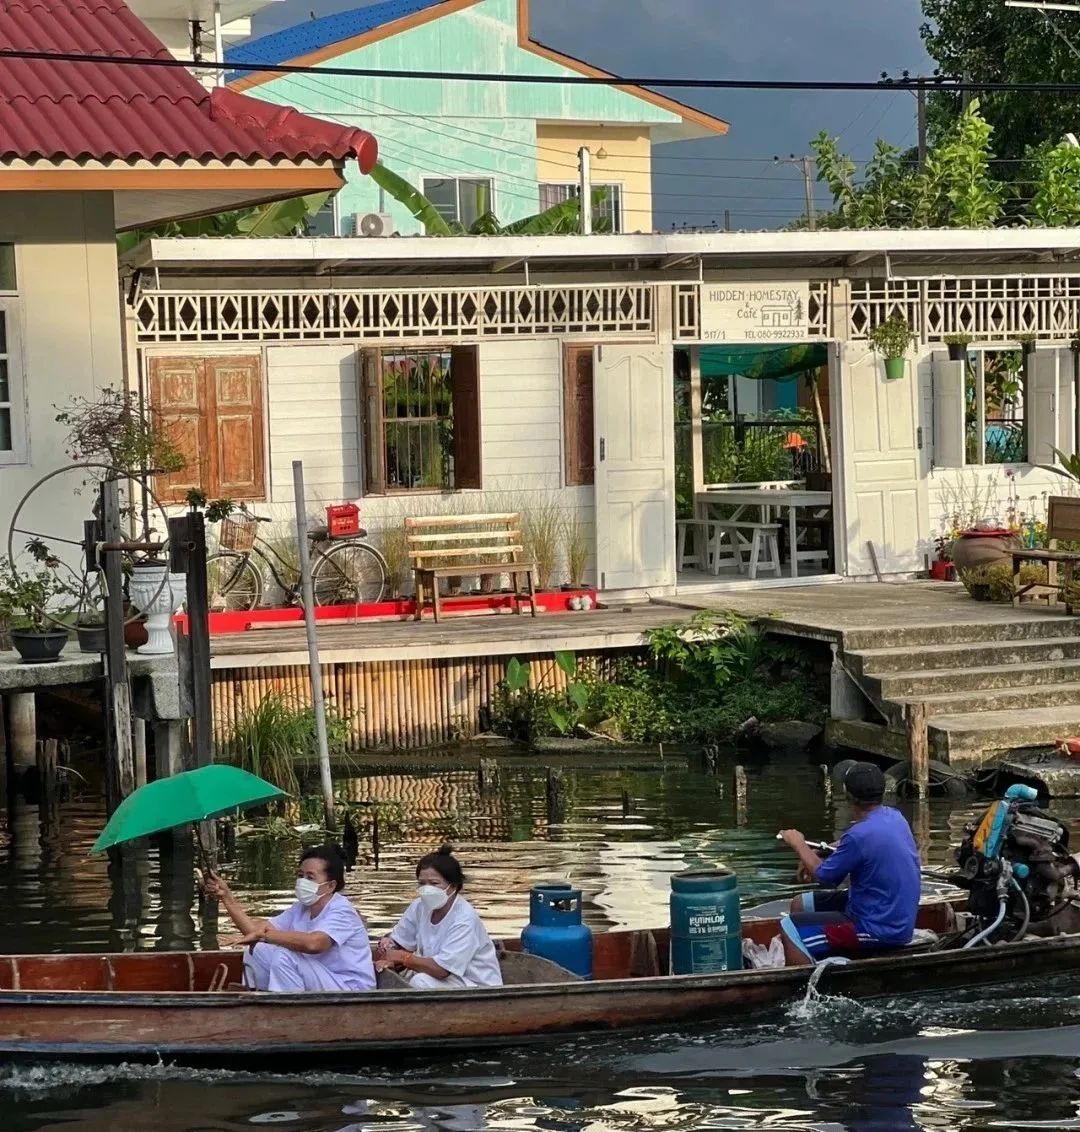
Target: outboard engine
1021	879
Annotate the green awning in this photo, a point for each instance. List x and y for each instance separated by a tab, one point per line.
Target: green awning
761	361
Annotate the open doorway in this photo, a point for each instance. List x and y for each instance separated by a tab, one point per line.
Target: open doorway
752	424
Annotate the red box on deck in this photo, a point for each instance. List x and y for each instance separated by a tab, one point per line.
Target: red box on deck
342	520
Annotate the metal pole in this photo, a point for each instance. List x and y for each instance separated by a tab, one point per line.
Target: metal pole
920	102
585	191
808	185
313	644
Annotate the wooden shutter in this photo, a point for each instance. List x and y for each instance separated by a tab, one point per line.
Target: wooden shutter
949	412
178	406
1040	405
578	415
373	456
465	375
234	388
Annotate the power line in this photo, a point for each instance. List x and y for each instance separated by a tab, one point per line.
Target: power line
911	84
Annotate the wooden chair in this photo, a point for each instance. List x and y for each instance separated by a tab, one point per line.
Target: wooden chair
1062	524
760	541
454	546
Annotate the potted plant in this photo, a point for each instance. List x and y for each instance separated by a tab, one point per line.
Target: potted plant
958	346
942	569
892	339
1027	343
90	628
25	598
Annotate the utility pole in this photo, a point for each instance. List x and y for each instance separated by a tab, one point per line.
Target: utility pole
585	189
920	102
806	164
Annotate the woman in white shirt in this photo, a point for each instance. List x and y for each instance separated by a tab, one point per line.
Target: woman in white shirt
440	942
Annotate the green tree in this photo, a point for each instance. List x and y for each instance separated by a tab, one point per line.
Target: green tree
987	41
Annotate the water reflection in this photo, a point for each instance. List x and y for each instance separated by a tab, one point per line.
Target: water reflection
620	834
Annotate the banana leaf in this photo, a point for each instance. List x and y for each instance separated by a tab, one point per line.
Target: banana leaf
412	198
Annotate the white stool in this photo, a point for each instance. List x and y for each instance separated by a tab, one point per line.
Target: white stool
765	539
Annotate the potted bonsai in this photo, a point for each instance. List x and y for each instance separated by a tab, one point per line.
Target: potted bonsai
892	339
958	346
25	598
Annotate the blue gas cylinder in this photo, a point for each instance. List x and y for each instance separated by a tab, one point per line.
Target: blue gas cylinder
706	928
555	930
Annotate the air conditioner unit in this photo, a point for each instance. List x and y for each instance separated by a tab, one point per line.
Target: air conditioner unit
373	224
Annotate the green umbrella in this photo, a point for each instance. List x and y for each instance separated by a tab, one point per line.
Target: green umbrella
193	796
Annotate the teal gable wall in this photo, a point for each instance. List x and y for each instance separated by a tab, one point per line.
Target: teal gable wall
434	128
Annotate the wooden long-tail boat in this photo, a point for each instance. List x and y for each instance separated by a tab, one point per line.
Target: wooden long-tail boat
166	1004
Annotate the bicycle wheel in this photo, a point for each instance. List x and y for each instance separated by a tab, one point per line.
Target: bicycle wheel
351	573
232	582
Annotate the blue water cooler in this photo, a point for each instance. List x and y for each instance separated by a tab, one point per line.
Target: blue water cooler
706	927
555	930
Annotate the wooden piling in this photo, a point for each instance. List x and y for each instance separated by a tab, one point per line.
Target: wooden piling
918	745
740	796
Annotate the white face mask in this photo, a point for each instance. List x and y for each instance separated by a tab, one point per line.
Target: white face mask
432	897
307	890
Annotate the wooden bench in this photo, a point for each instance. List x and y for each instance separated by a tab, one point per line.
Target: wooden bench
453	546
1062	524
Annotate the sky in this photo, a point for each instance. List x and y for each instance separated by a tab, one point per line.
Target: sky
748	39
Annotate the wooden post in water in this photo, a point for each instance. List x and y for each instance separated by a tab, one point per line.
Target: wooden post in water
740	796
556	795
120	772
918	745
317	700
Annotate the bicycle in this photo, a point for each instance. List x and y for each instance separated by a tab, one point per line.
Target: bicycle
348	572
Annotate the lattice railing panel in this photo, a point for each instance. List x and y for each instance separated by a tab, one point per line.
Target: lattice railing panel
985	308
687	303
379	315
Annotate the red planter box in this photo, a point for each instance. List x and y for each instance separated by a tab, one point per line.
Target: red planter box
396	610
942	571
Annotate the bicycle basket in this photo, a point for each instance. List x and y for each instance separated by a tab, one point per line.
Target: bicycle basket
238	534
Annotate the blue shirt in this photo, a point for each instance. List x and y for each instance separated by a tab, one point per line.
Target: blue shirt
880	856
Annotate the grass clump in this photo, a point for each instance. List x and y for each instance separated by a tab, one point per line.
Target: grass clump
278	734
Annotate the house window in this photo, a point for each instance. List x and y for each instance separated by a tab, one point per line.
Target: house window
607	213
8	281
460	200
12	410
578	415
325	221
994	430
422	419
212	410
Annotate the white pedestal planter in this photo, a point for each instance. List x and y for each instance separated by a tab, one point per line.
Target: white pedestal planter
158	594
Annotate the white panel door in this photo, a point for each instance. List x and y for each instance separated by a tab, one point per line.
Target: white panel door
633	392
883	494
1066	402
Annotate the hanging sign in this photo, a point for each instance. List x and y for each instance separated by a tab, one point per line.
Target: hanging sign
760	312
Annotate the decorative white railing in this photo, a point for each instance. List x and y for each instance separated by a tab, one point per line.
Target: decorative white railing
985	308
686	310
382	315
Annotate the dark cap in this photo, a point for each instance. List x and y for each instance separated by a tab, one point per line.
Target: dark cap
865	782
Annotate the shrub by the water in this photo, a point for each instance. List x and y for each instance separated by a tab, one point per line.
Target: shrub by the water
271	738
700	681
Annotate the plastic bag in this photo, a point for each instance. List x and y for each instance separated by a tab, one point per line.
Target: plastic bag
760	957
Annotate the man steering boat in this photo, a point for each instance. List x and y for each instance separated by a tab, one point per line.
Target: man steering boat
878	853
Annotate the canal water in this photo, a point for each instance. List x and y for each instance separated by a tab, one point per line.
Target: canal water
999	1058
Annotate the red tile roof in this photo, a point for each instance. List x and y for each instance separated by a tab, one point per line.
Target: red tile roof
96	111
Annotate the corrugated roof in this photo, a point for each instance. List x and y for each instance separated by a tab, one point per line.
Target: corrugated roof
87	111
313	35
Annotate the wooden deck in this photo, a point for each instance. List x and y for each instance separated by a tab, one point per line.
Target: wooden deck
491	635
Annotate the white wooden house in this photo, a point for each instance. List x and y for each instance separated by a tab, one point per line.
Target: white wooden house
562	351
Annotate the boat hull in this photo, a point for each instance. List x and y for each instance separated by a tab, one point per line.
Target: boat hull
235	1026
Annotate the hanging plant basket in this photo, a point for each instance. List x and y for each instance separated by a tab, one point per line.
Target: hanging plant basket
895	368
958	351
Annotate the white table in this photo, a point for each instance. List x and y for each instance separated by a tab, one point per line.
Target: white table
793	499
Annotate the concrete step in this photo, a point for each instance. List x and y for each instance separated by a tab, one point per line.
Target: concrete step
875	662
993	699
917	683
1023	625
974	737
